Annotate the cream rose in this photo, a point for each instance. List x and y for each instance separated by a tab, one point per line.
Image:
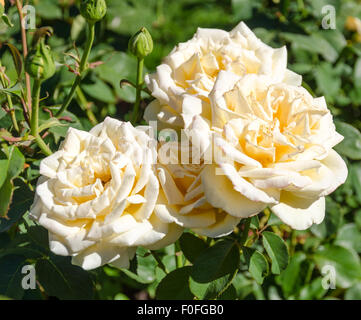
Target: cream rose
181	85
97	194
272	147
181	198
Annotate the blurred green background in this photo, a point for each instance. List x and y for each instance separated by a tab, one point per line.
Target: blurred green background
328	60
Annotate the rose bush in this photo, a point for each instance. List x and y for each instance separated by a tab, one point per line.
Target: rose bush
220	213
97	196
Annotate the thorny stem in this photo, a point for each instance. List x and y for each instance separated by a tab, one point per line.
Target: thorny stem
139	85
82	68
34	121
19	6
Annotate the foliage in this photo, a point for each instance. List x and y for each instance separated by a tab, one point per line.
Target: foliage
275	262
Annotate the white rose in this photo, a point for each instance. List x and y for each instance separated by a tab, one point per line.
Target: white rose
181	85
97	194
273	147
182	200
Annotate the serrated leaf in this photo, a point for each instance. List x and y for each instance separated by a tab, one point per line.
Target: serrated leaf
16	162
277	251
6	193
210	290
175	285
216	262
61	279
290	277
191	246
22	199
257	264
11	276
4	163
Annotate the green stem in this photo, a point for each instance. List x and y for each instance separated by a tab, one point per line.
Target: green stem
178	255
84	105
139	85
82	68
244	235
159	261
34	121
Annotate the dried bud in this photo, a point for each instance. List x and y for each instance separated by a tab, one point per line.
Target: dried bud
141	44
93	10
39	63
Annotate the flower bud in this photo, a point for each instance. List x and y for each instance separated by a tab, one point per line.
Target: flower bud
93	10
141	44
39	63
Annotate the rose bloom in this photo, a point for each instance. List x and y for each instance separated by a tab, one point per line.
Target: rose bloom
272	148
181	198
182	83
97	194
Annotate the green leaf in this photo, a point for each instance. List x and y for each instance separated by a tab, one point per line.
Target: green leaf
211	290
191	246
174	286
346	263
22	199
4	163
277	251
146	266
273	220
290	277
216	262
357	73
61	279
6	19
327	79
6	193
349	237
16	162
254	222
314	43
18	62
351	144
355	173
313	290
257	264
243	285
99	90
11	276
354	293
242	9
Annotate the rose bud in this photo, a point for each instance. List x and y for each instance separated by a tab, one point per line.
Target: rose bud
93	10
141	44
39	63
